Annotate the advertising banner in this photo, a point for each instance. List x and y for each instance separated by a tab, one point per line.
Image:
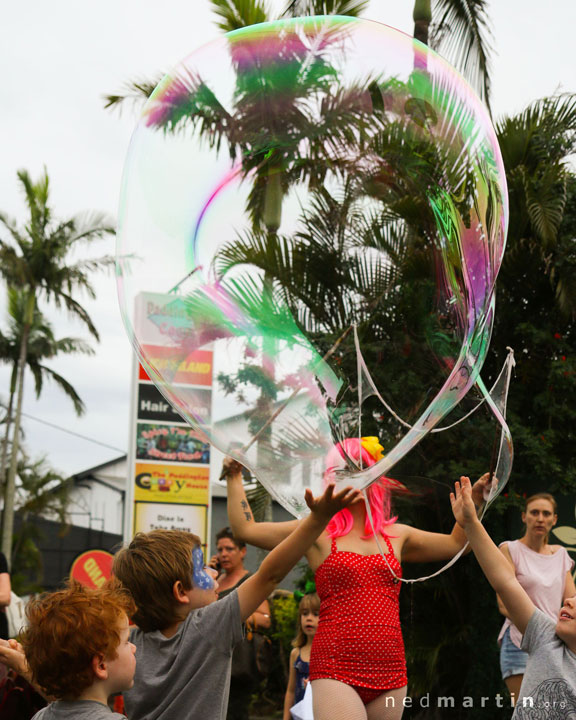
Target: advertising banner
171	442
171	483
170	461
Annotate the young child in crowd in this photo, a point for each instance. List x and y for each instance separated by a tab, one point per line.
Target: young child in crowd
78	650
549	685
308	611
184	638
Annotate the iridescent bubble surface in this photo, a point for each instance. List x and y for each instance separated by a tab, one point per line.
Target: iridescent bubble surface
282	183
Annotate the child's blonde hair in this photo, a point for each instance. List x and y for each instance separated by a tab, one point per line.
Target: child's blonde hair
310	601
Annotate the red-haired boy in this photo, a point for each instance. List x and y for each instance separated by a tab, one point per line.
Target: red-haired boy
78	650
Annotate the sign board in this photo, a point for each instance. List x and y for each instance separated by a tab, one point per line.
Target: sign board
92	568
169	460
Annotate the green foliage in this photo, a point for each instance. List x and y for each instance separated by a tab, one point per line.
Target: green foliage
28	571
236	14
270	695
462	34
285	622
299	8
450	625
285	618
41	492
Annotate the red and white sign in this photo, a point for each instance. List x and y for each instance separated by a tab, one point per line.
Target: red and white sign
93	568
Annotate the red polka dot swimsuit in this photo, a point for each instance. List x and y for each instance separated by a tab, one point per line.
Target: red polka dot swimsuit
359	639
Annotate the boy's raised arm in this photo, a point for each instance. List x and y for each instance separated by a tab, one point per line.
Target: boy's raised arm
497	569
285	555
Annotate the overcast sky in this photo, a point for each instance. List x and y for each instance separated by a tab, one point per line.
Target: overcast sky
57	61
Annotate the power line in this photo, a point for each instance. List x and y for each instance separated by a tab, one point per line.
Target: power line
71	432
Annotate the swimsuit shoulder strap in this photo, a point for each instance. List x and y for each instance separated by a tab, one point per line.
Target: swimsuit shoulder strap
388	543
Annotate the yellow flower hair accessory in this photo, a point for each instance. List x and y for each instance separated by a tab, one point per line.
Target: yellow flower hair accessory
372	445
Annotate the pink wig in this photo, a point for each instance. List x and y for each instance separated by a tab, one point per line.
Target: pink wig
378	492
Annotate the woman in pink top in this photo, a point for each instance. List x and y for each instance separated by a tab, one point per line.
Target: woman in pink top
543	570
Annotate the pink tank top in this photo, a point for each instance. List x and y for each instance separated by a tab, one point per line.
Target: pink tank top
543	577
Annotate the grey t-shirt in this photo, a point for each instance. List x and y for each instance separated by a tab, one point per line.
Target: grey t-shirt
549	685
77	710
187	675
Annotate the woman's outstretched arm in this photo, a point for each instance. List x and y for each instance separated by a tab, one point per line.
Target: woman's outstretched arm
263	534
424	546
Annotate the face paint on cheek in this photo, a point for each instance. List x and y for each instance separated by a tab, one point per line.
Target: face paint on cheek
200	577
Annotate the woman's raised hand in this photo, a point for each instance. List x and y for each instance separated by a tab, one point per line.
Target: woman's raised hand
482	487
230	468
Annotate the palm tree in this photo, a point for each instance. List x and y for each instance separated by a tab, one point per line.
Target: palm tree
536	146
461	33
457	29
36	260
42	345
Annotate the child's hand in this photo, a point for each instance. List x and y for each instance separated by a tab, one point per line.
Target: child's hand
12	655
331	502
462	504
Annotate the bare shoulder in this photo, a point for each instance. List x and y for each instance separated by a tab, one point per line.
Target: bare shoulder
294	654
506	552
319	551
399	530
399	534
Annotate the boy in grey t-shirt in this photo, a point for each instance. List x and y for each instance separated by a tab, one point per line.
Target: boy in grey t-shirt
549	684
184	639
550	658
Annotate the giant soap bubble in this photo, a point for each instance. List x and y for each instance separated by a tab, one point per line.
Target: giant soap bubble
284	189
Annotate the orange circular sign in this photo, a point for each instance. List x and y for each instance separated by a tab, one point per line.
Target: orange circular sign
92	568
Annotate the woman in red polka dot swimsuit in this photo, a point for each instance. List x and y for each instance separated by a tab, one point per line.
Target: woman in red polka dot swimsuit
357	666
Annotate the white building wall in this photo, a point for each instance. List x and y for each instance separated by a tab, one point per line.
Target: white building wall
96	498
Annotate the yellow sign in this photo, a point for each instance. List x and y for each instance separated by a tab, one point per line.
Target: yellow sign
171	484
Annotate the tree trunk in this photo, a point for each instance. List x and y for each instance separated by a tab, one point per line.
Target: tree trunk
267	407
10	490
5	441
272	217
422	16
